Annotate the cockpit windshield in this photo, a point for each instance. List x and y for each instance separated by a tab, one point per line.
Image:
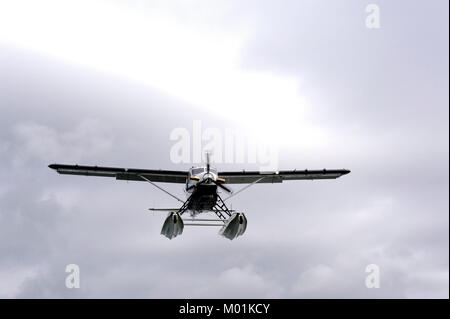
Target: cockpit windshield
197	171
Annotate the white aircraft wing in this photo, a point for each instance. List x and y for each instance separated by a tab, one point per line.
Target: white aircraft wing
248	177
128	174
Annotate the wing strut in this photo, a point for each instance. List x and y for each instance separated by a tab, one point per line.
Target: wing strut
159	187
243	188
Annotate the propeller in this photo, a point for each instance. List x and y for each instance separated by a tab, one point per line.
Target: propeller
208	166
218	183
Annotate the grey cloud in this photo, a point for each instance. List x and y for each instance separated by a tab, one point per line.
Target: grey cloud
384	108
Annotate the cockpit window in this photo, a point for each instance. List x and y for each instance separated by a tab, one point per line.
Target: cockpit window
197	171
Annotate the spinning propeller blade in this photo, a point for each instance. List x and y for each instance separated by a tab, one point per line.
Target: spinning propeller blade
220	184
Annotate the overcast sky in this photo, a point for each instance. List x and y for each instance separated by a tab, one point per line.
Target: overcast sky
106	82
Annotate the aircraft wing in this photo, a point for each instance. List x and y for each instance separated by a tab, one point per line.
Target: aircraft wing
128	174
249	177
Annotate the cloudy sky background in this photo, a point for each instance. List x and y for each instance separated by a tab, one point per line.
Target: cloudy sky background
106	82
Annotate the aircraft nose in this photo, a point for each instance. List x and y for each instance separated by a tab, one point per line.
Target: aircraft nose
208	176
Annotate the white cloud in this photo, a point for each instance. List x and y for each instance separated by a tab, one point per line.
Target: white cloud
304	238
241	282
11	279
314	280
195	64
90	138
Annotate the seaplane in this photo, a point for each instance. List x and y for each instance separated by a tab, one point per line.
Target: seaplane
202	186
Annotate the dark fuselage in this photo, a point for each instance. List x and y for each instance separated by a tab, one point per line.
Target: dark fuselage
204	197
201	189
